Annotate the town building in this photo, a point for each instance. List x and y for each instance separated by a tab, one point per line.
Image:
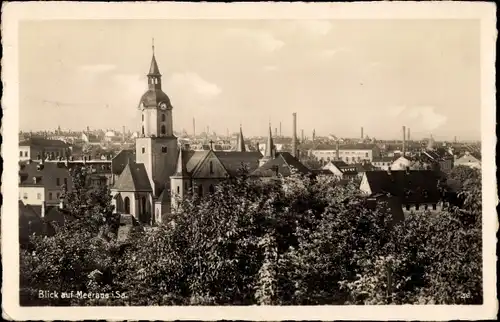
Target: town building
41	183
349	153
36	148
413	190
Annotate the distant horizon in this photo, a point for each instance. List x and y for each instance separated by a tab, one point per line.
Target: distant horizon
376	74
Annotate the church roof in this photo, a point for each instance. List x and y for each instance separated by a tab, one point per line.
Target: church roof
119	162
269	145
133	178
284	164
233	161
154	97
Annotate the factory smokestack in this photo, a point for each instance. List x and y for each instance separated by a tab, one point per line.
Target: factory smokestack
302	136
194	127
404	141
337	151
280	129
294	135
314	135
275	132
362	136
408	137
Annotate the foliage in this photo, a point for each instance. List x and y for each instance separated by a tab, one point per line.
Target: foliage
286	241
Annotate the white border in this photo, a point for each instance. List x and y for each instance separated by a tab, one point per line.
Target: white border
13	12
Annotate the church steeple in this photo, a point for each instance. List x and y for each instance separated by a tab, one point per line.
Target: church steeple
154	75
240	146
269	153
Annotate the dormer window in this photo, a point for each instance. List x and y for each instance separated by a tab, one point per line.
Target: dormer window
211	167
163	149
35	180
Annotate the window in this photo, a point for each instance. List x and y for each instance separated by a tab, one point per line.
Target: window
38	196
58	182
143	150
66	182
50	195
407	207
126	202
178	189
426	207
434	207
366	154
417	206
163	149
163	130
58	195
163	117
21	153
25	195
25	153
211	189
143	118
211	167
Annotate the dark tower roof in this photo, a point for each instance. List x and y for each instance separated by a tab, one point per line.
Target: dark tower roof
240	147
154	70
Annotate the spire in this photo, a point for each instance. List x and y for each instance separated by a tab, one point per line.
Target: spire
269	153
154	70
240	146
181	167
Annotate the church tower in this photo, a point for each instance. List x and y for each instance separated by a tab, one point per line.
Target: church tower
156	146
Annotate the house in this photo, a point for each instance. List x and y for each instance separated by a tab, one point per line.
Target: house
401	163
41	183
414	190
440	157
282	164
383	162
40	148
341	169
90	138
469	160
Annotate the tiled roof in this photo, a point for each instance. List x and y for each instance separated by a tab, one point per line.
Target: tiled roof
133	178
234	160
282	164
412	186
119	162
46	174
360	167
40	142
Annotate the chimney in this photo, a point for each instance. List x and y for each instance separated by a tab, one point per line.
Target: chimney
194	127
314	135
408	137
337	151
404	141
275	132
280	129
294	135
362	136
302	136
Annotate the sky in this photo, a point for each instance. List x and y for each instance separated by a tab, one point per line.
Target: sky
337	75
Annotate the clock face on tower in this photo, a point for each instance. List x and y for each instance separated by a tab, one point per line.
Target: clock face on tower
163	106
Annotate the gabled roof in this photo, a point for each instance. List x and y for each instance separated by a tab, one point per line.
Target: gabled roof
284	163
412	186
133	178
119	162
